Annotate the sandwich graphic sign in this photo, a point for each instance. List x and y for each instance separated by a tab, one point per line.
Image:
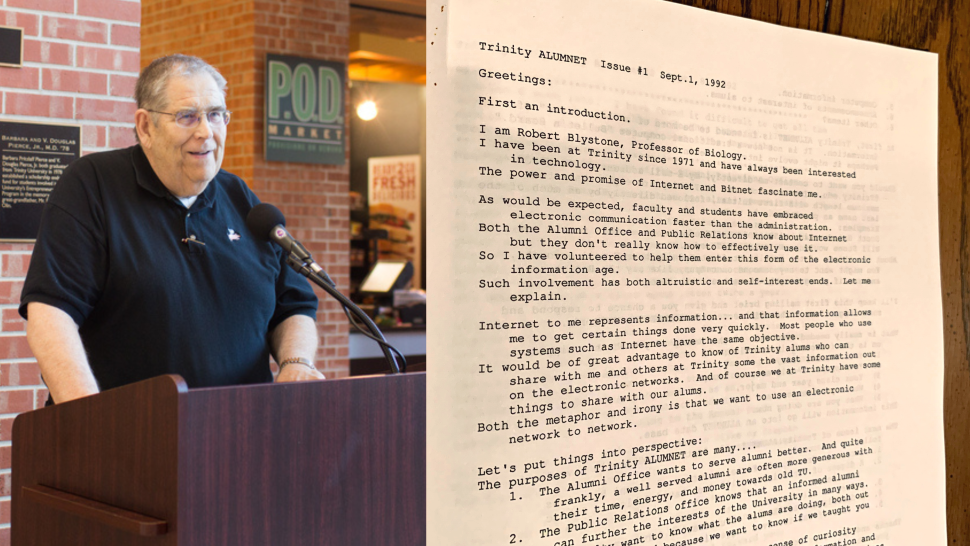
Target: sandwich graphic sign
394	196
304	110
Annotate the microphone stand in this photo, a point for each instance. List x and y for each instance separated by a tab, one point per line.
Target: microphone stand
320	278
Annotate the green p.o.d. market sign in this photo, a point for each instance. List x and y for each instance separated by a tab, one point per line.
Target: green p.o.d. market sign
304	110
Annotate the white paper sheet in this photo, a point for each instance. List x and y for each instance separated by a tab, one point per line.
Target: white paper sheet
683	281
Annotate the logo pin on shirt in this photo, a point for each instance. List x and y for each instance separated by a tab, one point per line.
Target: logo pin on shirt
233	236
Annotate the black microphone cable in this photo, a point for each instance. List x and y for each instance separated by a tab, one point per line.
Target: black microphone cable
348	308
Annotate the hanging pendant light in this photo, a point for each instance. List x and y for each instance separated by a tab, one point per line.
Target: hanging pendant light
367	110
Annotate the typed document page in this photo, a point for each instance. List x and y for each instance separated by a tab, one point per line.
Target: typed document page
683	281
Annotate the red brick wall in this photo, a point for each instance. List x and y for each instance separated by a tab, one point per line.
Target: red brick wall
81	59
235	36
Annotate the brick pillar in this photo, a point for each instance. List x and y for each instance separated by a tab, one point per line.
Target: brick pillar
235	36
81	60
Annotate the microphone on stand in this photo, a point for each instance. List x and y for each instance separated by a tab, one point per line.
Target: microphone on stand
267	223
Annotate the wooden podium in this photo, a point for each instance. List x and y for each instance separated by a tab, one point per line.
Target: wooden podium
337	462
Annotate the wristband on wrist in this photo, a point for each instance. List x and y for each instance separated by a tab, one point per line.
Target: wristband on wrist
296	360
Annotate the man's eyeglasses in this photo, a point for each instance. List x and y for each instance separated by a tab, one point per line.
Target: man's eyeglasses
191	118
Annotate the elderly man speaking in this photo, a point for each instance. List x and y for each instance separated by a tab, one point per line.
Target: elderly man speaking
143	265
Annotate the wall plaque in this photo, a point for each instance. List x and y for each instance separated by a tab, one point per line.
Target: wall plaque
11	46
33	156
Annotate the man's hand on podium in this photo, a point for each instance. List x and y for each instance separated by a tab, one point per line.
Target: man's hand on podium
298	372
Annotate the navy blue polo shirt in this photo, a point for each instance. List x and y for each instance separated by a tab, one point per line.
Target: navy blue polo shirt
157	288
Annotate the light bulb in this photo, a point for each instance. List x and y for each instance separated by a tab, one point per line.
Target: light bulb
367	110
